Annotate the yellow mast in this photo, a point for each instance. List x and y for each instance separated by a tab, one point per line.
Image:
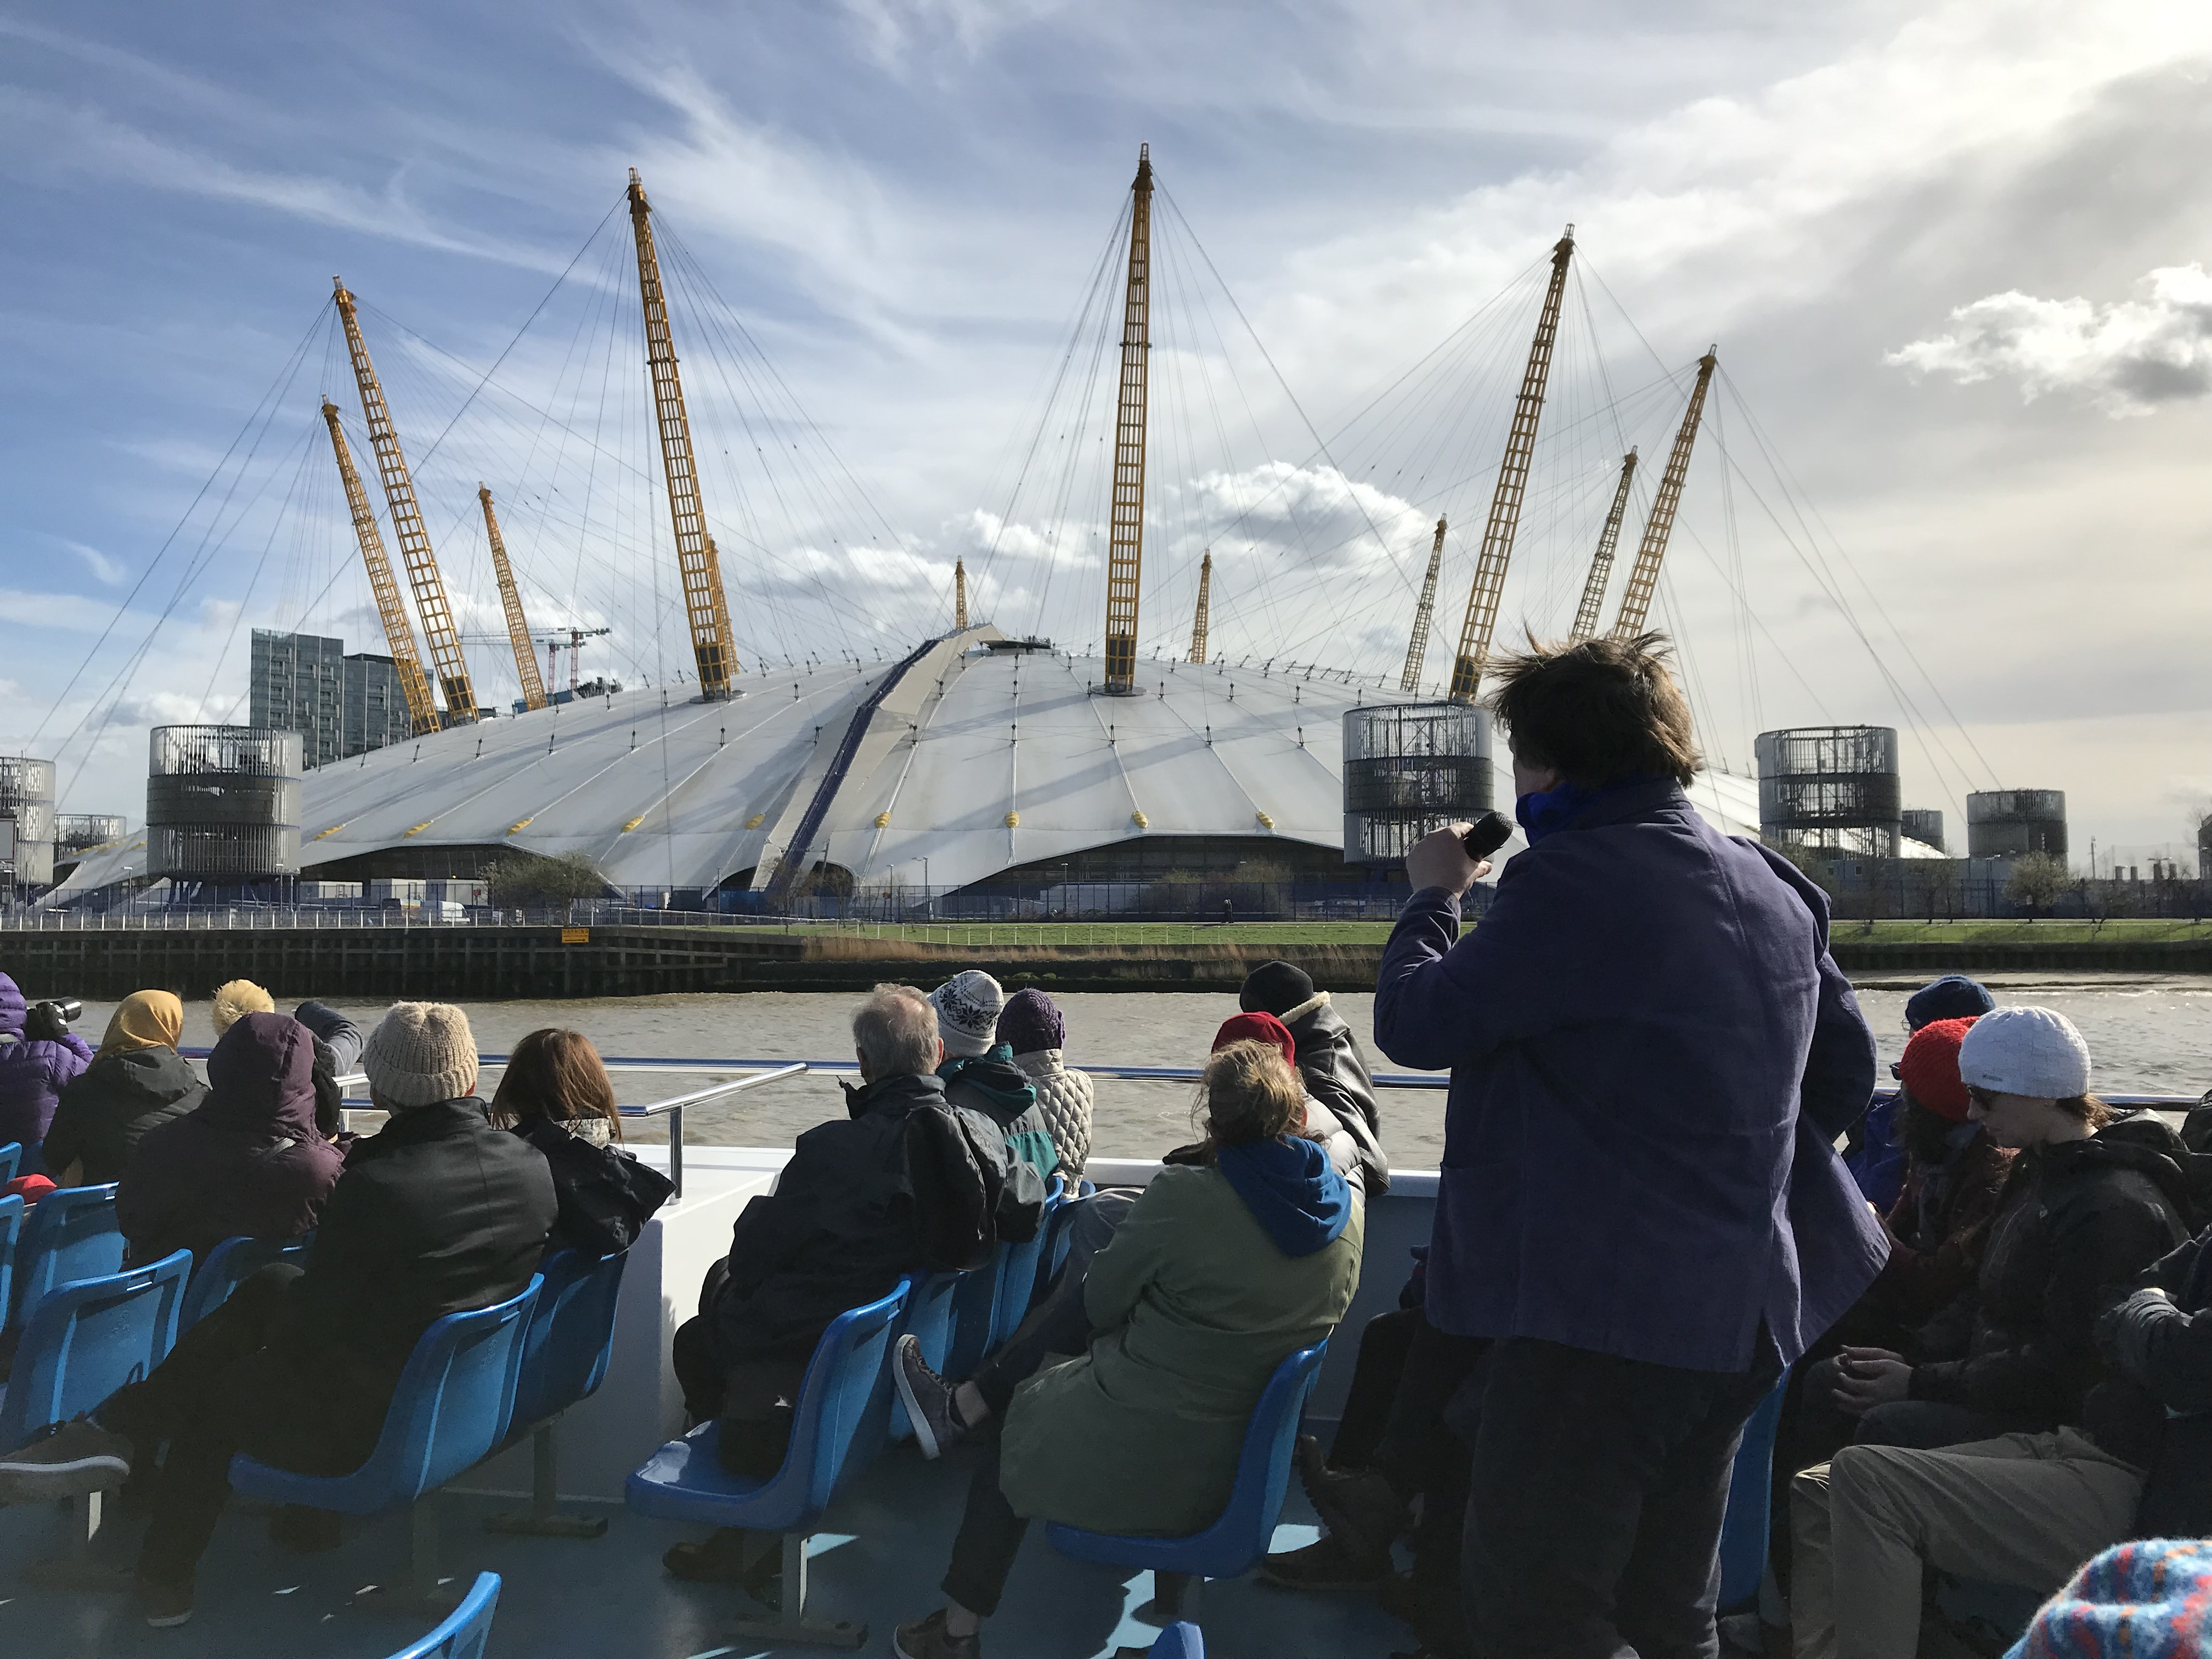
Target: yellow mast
1643	574
518	630
705	604
398	632
414	551
1205	597
1601	570
1423	613
1512	483
960	595
1126	537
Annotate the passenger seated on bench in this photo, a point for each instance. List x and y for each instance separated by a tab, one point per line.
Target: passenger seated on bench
557	1095
904	1182
978	1070
439	1213
1127	1414
137	1082
1033	1030
1330	1064
39	1056
247	1163
338	1051
234	1000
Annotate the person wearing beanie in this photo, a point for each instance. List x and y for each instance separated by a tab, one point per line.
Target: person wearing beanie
1875	1156
968	1006
1033	1031
235	1000
1952	997
979	1069
438	1213
1330	1063
2094	1200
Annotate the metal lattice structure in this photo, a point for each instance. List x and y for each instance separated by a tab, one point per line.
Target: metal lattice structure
1125	550
398	631
415	549
1410	768
1505	521
1417	648
1204	603
26	801
1601	570
706	605
1831	786
2006	822
518	628
222	803
960	596
78	830
1643	574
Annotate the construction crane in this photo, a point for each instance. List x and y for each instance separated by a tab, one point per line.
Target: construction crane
398	632
1125	544
1601	570
1490	565
1643	574
414	551
574	638
960	595
1204	598
705	604
1418	648
518	630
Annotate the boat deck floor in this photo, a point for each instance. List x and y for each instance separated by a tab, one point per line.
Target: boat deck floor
882	1551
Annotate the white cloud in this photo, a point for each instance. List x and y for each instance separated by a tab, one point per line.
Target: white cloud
2127	356
105	571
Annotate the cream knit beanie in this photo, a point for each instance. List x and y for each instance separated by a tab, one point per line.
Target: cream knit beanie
420	1053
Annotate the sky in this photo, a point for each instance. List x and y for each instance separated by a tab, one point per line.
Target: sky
1952	257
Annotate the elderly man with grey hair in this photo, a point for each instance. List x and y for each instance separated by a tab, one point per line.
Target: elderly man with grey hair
906	1180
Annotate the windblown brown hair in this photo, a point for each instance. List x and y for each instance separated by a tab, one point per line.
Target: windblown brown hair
1598	712
1249	1092
554	1072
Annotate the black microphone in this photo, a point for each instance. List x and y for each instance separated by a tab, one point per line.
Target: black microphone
1485	836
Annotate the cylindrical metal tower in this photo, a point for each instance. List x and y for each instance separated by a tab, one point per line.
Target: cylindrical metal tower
27	797
1409	769
1831	786
1925	825
222	803
2005	823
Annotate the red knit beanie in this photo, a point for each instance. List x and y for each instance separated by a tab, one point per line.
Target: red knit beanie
1930	1068
1265	1028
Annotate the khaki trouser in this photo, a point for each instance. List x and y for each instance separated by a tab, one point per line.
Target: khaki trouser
2024	1509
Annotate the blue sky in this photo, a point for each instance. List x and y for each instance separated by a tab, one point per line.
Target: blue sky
903	201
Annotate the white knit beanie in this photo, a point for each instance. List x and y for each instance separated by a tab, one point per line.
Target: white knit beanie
2026	1051
968	1006
420	1053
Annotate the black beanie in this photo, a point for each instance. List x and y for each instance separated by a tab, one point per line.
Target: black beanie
1274	987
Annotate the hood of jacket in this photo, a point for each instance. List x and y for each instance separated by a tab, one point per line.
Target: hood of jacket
140	1080
1291	1189
895	1096
13	1008
261	1077
991	1082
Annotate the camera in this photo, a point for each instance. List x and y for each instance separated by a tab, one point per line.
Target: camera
68	1010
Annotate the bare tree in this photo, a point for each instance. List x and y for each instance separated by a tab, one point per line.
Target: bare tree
2036	882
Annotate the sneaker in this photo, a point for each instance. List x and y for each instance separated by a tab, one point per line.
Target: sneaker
928	1638
1358	1507
1327	1564
928	1398
78	1458
166	1606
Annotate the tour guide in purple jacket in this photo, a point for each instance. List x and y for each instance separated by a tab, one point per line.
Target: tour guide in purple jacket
1652	1054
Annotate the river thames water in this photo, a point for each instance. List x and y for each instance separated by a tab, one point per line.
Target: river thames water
2149	1034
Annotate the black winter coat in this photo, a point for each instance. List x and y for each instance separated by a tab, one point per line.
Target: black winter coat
2077	1222
605	1195
108	1106
905	1182
1336	1075
438	1213
2156	1411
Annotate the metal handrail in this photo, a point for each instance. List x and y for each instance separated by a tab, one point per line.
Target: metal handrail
672	1110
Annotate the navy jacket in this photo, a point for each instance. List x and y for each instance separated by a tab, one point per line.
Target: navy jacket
1652	1053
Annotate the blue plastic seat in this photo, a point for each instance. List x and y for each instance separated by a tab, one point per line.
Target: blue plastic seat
1180	1640
1017	1274
928	1319
11	1160
70	1234
1234	1544
839	1399
465	1630
11	1237
452	1405
86	1339
1750	1504
228	1266
564	1358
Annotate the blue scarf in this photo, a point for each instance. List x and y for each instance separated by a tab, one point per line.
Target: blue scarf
1291	1189
1540	814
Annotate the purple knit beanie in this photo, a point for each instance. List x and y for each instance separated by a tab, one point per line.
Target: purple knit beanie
1030	1021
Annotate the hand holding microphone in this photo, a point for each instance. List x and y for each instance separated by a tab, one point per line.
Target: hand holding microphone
1457	857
